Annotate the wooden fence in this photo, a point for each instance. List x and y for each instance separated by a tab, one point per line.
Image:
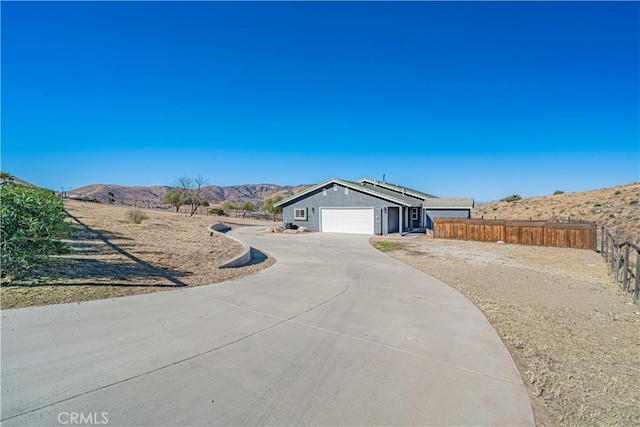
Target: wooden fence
580	235
620	257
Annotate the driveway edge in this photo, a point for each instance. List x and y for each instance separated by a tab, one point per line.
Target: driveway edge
239	260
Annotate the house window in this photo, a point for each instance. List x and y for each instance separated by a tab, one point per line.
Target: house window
414	214
335	187
346	190
324	191
300	214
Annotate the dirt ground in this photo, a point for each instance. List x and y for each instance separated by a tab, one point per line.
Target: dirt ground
573	334
112	256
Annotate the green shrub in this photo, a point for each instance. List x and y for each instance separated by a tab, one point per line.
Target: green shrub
557	192
597	205
217	212
617	193
511	198
32	227
633	202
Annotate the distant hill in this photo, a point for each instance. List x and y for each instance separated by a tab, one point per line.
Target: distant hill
17	180
253	193
618	208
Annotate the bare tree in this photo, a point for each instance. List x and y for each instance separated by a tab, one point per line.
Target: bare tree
191	190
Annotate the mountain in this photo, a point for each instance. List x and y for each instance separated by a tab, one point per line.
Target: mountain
617	208
253	193
14	179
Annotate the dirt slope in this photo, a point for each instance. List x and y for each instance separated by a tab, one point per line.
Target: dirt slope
618	208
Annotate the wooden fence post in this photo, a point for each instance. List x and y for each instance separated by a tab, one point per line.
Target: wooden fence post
504	231
636	293
618	262
613	253
625	276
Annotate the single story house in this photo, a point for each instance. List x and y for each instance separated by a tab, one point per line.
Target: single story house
368	206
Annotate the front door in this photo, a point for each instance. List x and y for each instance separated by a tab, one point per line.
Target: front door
415	217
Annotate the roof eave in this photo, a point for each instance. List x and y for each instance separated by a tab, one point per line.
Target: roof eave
392	187
348	184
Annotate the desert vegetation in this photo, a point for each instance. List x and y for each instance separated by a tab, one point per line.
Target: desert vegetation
33	227
616	208
111	255
137	216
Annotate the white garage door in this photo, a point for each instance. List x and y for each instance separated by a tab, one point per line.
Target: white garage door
348	220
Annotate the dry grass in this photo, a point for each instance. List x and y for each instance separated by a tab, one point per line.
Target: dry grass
113	256
573	334
617	208
137	216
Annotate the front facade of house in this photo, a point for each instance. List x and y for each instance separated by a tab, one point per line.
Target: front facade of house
366	207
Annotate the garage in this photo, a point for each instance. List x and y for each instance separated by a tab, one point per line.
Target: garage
365	207
346	220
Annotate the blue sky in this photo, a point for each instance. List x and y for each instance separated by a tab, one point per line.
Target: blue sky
481	99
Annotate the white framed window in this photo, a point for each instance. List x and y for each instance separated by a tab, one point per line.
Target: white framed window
300	214
335	187
324	191
346	190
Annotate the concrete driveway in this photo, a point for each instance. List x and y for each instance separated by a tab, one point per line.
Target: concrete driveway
335	333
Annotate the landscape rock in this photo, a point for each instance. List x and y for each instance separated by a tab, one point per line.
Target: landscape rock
269	230
500	242
302	230
289	232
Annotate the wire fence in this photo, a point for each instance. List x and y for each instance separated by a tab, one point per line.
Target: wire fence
215	209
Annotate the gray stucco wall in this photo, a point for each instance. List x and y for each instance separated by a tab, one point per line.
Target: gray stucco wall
337	199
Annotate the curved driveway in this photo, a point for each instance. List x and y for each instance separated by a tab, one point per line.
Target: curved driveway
335	333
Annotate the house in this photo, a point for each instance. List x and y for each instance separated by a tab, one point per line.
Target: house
368	206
